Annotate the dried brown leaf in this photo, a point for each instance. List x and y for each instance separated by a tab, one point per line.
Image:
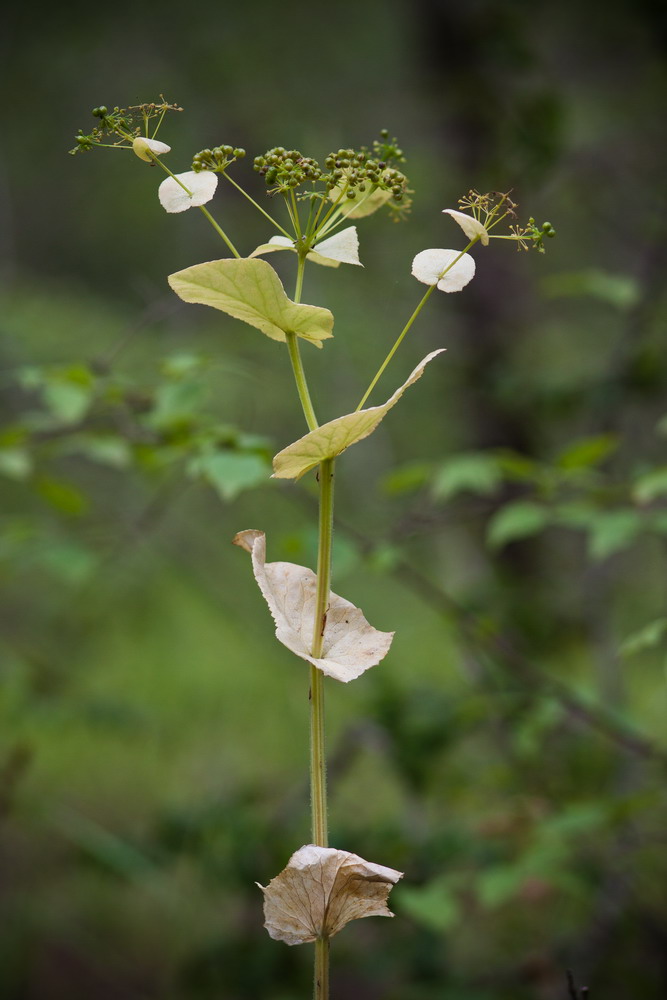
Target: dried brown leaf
321	890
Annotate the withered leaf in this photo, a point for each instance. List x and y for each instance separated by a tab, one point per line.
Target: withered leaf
350	645
321	890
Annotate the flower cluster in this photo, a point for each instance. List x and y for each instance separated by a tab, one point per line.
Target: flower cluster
284	170
352	174
488	210
361	171
357	174
451	270
122	125
531	235
216	159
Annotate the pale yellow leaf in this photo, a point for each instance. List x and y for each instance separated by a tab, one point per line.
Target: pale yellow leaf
321	890
250	290
350	645
334	437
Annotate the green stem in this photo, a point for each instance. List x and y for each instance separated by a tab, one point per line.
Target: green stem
295	209
320	228
219	231
295	356
318	772
300	379
321	981
424	299
258	207
318	778
422	303
301	267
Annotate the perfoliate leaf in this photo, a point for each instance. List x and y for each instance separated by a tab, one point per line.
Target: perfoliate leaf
471	227
332	438
350	645
341	248
200	189
250	290
450	270
321	890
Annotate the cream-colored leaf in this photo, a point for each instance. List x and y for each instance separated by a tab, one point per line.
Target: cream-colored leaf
283	243
342	247
144	146
275	243
471	227
332	438
321	890
200	189
250	290
350	645
450	270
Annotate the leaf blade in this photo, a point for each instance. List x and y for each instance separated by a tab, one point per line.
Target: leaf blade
334	437
350	645
250	290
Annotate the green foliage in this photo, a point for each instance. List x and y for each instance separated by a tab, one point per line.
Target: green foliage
516	520
476	472
618	290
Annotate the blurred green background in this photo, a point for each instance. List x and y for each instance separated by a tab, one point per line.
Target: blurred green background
508	519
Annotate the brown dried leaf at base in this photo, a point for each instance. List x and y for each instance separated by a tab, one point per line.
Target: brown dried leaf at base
321	890
350	645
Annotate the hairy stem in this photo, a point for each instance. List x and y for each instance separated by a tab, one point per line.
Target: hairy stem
321	980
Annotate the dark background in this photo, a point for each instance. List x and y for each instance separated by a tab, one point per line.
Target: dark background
507	519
